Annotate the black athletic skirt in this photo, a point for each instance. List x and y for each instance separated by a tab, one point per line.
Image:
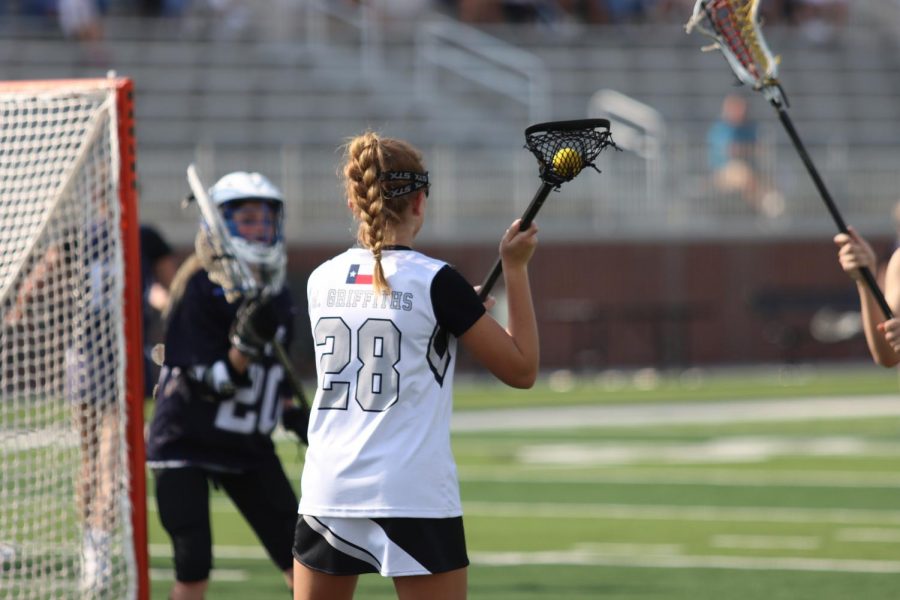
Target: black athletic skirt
393	547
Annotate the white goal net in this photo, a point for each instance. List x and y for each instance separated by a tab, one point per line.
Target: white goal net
66	526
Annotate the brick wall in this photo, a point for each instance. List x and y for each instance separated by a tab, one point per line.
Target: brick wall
671	304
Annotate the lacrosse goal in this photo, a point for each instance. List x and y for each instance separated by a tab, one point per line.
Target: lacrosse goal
72	495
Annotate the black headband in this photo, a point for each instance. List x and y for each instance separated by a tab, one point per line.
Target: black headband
419	180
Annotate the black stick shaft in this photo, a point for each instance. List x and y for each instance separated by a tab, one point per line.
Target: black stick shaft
282	356
527	218
829	203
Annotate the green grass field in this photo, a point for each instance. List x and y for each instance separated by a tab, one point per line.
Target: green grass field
795	509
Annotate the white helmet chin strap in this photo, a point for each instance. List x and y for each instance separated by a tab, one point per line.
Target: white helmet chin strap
268	262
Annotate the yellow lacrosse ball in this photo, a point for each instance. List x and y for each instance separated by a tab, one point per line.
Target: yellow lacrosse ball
566	162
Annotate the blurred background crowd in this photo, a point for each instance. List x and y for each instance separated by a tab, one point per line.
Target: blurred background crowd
83	18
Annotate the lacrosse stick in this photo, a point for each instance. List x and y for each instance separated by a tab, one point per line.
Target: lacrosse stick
734	28
232	273
563	149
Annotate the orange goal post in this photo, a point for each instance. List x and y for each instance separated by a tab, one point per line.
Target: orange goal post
72	485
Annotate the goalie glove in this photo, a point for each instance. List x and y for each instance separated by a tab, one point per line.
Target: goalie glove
296	419
219	380
255	325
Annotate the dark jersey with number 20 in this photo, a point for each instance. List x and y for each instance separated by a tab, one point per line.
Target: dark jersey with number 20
192	427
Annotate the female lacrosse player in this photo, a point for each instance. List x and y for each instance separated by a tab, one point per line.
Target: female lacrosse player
379	487
77	263
882	337
221	392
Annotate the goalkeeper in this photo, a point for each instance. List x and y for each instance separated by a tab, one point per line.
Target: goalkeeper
221	391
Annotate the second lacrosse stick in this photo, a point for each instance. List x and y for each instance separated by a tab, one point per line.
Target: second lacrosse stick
734	27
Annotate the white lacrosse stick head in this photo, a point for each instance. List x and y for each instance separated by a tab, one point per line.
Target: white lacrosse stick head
734	27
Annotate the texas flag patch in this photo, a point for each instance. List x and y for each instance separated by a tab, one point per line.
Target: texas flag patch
355	277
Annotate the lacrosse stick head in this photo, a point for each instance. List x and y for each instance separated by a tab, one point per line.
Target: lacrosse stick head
564	148
735	29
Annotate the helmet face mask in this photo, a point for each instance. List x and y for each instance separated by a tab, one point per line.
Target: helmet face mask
252	209
256	223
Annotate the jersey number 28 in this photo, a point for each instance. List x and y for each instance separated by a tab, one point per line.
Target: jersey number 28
377	346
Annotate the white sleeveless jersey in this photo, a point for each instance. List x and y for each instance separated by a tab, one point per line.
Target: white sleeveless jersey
379	433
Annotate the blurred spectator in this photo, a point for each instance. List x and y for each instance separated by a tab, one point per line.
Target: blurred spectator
233	17
36	8
530	11
158	267
732	145
80	20
512	11
674	11
162	8
399	9
150	8
629	11
821	20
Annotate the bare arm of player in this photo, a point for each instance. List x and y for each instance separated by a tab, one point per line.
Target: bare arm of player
890	328
33	283
239	361
883	338
164	271
512	355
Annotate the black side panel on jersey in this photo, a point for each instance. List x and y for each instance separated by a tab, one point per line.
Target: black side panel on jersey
456	305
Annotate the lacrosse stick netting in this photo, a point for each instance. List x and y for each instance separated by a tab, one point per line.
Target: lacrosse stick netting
564	148
734	27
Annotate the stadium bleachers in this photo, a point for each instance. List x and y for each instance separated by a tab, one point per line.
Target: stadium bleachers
256	98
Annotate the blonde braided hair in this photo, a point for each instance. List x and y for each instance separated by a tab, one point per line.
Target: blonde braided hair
367	157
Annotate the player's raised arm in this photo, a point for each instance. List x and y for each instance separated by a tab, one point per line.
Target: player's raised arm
512	355
882	337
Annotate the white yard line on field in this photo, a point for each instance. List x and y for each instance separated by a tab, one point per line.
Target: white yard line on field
220	551
653	512
739	478
737	449
656	512
787	409
218	574
873	535
648	556
766	542
586	558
